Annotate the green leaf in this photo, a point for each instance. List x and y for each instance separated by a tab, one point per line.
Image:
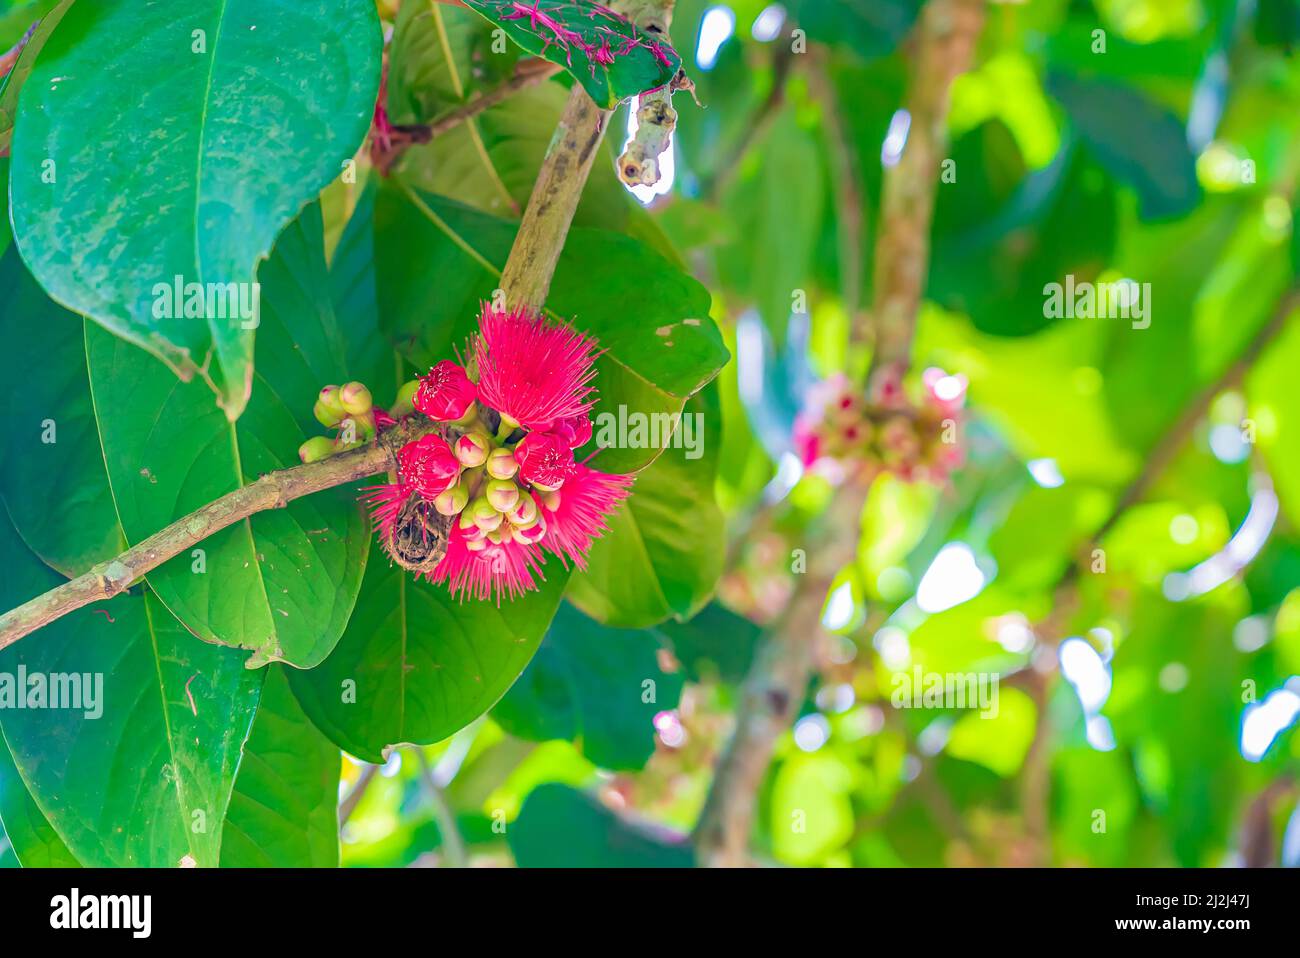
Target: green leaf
52	476
283	582
223	118
12	83
1136	140
665	547
559	827
609	55
415	665
141	773
651	319
716	643
588	682
870	28
34	841
284	810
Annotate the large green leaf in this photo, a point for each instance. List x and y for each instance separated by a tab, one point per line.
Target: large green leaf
178	139
416	665
664	552
33	840
600	685
611	57
52	475
283	582
284	810
142	773
559	827
651	320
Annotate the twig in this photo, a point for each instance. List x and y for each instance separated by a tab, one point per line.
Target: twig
274	490
356	793
528	73
779	677
453	843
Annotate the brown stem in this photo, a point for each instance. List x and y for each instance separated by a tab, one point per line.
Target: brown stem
947	34
529	73
274	490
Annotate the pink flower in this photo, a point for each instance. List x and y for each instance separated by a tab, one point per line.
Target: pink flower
578	517
532	371
507	568
545	459
446	392
385	503
576	430
428	466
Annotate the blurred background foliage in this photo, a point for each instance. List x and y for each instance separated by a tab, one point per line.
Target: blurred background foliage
1146	711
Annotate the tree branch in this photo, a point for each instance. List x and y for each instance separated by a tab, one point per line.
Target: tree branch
778	679
274	490
528	73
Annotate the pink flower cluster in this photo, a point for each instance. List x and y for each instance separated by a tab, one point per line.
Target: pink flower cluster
510	482
841	432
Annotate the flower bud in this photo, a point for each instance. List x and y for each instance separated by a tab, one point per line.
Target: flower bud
550	499
327	415
486	516
472	449
467	523
499	535
503	494
355	398
329	398
501	464
452	501
315	449
525	513
476	545
530	535
404	404
446	392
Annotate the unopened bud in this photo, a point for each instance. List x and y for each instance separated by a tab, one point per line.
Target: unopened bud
501	464
550	499
404	404
452	501
503	494
525	513
486	516
476	545
315	449
530	535
354	397
472	449
327	415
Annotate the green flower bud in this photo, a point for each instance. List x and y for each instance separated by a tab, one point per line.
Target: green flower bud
315	449
452	501
330	397
486	516
503	494
499	535
467	520
525	514
327	415
476	545
404	404
472	449
355	398
501	464
550	499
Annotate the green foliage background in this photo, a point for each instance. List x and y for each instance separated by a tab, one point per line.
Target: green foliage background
1106	140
